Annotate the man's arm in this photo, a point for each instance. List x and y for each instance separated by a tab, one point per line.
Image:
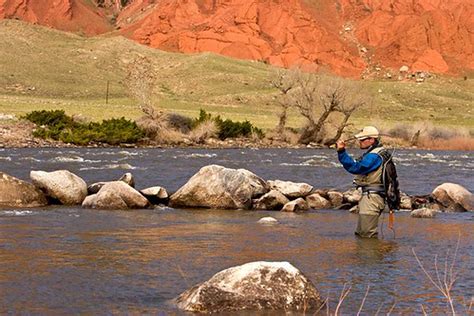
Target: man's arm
369	163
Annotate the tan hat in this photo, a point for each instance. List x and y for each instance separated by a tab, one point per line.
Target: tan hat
367	132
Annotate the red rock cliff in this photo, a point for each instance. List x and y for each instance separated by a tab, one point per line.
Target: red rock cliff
348	37
66	15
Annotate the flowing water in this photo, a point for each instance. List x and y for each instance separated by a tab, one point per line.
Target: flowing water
68	260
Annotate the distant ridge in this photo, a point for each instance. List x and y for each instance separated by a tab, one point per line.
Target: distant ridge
351	38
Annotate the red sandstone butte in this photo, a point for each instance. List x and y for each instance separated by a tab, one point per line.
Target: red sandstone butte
347	37
67	15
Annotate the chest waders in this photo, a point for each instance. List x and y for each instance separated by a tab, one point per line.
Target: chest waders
372	203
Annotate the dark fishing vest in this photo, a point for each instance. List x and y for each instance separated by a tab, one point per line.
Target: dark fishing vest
373	181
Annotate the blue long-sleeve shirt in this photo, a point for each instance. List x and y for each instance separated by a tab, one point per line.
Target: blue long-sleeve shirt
369	162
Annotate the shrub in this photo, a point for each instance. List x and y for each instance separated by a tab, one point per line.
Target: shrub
203	131
179	122
58	126
228	128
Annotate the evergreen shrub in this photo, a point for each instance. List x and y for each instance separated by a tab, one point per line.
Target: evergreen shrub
228	128
59	126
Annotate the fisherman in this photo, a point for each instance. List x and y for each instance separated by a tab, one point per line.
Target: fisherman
368	176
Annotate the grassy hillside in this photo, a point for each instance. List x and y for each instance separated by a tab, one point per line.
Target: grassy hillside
43	68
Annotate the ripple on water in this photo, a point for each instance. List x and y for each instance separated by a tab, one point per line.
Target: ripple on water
123	166
16	213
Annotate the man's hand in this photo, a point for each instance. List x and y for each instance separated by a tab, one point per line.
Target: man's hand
340	145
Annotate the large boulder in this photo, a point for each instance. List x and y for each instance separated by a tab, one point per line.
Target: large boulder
116	195
273	200
454	197
18	193
253	286
61	185
219	187
290	189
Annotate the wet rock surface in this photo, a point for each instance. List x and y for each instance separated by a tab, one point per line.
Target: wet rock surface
253	286
18	193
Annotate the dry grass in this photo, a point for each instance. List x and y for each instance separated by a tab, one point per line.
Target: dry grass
205	130
427	135
455	143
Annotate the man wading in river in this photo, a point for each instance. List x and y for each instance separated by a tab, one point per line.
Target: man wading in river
370	175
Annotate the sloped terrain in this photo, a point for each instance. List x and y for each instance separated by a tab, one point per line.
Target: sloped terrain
48	69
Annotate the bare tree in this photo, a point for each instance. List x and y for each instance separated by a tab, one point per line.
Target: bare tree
140	81
317	97
284	81
349	100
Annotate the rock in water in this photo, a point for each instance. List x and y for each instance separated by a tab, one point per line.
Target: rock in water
423	213
61	185
297	205
17	193
454	197
253	286
116	195
221	188
268	220
290	189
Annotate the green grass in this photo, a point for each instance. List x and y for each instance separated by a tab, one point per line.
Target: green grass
47	69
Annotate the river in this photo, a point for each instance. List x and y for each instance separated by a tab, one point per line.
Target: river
68	260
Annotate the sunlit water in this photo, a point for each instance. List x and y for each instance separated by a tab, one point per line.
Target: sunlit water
60	260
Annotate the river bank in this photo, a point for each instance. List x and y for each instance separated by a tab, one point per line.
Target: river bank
19	134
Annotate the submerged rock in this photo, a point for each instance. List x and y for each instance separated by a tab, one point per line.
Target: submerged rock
423	213
219	187
268	220
454	197
18	193
61	185
116	195
253	286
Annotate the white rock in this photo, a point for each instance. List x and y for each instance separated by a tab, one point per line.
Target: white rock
253	286
62	185
268	220
219	187
290	189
